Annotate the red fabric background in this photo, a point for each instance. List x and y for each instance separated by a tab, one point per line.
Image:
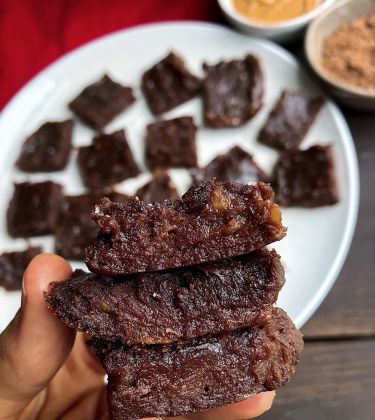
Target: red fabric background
33	33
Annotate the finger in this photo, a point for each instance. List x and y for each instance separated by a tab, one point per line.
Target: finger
35	344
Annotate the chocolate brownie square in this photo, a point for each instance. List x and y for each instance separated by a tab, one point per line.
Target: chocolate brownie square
159	188
168	84
13	266
171	143
47	149
306	178
289	121
236	165
34	208
107	161
232	91
98	104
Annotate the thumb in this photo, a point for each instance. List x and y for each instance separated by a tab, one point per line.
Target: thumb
35	344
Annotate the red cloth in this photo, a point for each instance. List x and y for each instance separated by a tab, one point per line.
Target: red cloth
33	33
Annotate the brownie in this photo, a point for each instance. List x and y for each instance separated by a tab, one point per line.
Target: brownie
306	178
34	208
201	373
107	161
212	221
76	230
171	143
98	104
289	121
13	266
47	149
235	165
168	84
159	188
232	91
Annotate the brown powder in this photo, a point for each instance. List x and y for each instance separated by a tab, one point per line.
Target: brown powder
349	53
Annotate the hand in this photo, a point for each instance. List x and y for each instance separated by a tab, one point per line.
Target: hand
47	371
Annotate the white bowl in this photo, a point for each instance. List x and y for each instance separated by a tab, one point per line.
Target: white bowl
340	13
280	32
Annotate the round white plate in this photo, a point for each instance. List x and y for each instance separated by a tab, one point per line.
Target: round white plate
317	241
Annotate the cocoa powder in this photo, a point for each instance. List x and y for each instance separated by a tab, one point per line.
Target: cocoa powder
349	53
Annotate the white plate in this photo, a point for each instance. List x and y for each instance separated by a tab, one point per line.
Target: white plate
317	241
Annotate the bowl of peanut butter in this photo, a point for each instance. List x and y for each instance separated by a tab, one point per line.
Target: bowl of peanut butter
279	20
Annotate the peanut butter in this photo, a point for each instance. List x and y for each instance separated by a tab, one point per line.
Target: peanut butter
274	11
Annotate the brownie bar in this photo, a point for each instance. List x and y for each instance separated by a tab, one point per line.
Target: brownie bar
168	84
34	208
171	143
107	161
199	374
306	178
98	104
13	266
47	149
232	91
236	165
212	221
159	188
289	121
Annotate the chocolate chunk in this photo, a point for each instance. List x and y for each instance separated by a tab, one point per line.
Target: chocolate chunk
212	221
159	188
201	373
306	178
168	84
47	149
232	91
289	121
171	143
13	266
107	161
98	104
34	209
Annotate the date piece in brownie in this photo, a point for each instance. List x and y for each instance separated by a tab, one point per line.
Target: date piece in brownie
159	188
107	161
168	84
13	266
236	165
289	121
306	178
232	91
76	229
47	149
171	143
201	373
98	104
166	306
212	221
34	208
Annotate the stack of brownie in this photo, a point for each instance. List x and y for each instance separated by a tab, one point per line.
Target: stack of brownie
180	301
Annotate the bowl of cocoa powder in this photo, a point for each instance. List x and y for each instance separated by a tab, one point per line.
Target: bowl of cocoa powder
340	48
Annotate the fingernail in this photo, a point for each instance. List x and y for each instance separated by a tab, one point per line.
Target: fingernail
23	296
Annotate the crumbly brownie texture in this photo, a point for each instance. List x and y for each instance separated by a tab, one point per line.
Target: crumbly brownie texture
236	165
34	209
13	266
47	149
99	103
159	188
162	307
107	161
76	229
306	178
171	143
168	84
289	121
199	374
212	221
232	91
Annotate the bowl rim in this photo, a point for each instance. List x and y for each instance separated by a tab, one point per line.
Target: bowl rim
225	5
308	42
